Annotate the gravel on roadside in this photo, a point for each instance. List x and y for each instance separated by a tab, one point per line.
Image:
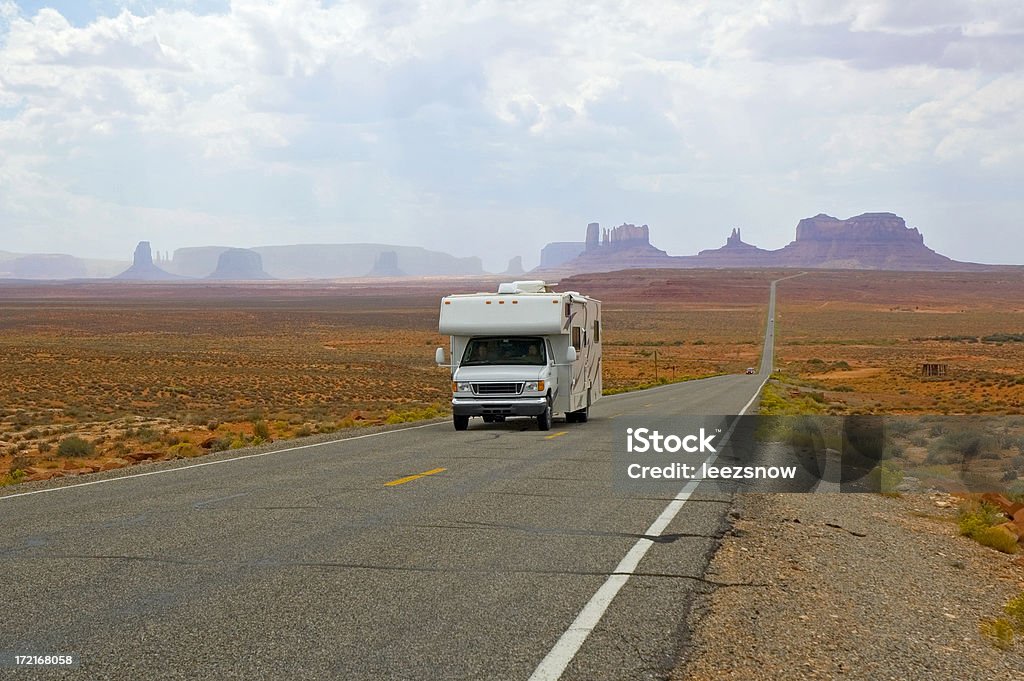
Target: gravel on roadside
852	586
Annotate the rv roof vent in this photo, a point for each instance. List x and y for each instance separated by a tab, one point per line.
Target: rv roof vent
524	287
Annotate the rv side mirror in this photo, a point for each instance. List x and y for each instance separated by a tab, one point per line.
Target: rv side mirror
439	356
570	355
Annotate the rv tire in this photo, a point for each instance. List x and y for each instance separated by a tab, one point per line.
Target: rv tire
544	420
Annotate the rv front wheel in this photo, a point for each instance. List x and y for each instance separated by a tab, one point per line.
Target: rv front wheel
461	422
544	420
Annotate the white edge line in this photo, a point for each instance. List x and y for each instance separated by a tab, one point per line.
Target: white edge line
219	461
555	662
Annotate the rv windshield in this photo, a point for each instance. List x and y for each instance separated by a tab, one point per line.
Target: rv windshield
528	351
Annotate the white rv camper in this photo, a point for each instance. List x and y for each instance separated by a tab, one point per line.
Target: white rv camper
523	351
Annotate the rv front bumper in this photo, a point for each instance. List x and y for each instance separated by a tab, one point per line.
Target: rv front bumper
522	406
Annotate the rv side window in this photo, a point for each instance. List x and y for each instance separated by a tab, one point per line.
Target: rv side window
577	338
597	332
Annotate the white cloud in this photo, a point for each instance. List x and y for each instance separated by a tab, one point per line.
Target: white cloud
439	123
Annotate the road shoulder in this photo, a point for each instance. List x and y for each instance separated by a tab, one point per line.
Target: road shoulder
854	585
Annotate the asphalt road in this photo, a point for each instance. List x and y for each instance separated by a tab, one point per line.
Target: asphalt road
306	563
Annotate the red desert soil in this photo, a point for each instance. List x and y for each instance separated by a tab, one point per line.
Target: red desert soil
171	370
152	371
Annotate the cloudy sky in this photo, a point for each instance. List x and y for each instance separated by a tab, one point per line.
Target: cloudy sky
490	128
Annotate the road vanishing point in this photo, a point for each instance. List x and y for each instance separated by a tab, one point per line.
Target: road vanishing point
418	553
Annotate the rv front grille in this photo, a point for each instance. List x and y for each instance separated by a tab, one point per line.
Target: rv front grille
497	388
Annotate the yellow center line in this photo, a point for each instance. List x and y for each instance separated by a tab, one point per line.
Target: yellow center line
558	434
410	478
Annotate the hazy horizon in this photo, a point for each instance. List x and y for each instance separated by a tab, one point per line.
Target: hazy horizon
490	129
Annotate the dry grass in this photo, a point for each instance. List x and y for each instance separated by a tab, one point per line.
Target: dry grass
152	371
171	371
155	371
861	337
696	322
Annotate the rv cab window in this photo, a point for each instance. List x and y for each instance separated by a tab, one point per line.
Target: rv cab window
524	350
577	338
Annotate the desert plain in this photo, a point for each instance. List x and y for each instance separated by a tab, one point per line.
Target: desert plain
99	375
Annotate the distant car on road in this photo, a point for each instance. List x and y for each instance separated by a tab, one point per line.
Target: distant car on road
750	370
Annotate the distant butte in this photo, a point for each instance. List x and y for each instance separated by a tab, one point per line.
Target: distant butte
143	269
515	267
871	241
625	246
875	241
735	247
239	264
386	265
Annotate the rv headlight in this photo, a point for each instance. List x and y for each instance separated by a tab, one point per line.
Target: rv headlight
534	386
458	387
